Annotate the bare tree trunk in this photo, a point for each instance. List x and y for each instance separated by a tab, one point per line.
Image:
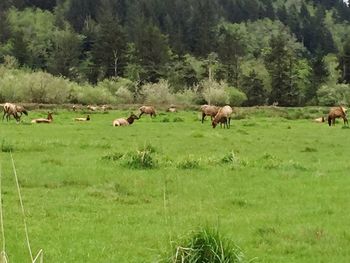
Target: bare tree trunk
115	54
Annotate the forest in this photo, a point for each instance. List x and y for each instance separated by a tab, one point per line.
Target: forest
242	52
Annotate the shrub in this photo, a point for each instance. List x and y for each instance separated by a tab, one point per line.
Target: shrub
92	95
336	94
114	84
141	159
187	97
214	92
236	97
206	246
156	93
123	95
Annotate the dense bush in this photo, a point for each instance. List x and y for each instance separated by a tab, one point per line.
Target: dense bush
156	93
214	92
337	94
40	87
236	97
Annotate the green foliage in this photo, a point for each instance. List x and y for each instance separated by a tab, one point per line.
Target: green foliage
214	92
236	97
188	163
6	146
333	95
254	88
207	246
156	93
141	159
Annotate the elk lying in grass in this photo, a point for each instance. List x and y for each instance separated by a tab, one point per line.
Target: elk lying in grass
337	112
125	122
223	116
320	120
49	119
209	110
83	119
15	110
92	108
172	108
147	110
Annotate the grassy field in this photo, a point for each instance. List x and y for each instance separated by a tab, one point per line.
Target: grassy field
278	188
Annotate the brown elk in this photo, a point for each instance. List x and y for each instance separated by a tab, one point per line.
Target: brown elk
49	119
147	110
337	112
209	110
223	116
15	110
124	122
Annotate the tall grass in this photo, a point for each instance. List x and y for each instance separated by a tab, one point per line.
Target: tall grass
206	246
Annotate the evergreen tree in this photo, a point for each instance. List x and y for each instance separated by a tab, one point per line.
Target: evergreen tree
231	48
64	58
319	76
201	35
153	53
344	63
279	62
109	44
253	87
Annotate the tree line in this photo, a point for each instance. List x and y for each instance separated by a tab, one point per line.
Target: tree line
290	52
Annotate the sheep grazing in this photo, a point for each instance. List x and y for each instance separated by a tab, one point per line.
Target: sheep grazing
125	122
320	120
49	119
15	110
83	119
147	110
74	108
209	110
337	112
223	116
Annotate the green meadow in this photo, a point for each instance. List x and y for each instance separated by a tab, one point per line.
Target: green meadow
276	185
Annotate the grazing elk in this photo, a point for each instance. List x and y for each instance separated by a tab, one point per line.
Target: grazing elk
337	112
209	110
49	119
15	110
223	116
147	110
125	122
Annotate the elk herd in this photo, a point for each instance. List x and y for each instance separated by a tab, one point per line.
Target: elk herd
218	115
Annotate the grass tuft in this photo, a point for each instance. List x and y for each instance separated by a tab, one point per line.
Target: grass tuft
116	156
6	147
178	119
188	163
207	246
141	159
